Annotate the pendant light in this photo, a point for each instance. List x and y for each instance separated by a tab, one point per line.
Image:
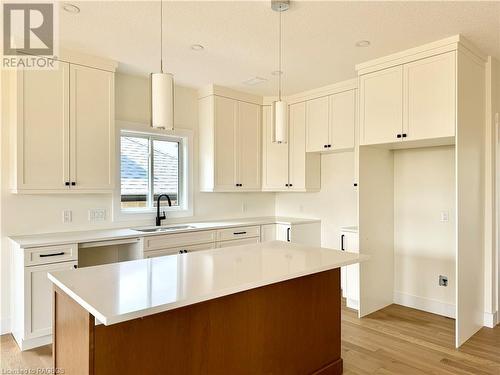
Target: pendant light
162	91
280	107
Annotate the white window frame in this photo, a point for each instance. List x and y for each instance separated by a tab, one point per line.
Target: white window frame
185	139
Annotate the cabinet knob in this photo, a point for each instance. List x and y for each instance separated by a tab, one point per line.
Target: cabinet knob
329	146
325	146
398	136
286	185
73	183
66	183
404	135
290	185
75	266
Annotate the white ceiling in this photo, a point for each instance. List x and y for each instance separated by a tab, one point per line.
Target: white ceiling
240	38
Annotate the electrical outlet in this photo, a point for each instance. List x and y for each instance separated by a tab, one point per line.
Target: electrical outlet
445	216
97	214
67	216
443	280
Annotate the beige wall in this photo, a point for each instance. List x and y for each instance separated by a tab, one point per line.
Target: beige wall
25	214
335	204
424	247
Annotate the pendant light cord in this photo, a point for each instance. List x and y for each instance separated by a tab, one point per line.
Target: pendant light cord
280	72
161	36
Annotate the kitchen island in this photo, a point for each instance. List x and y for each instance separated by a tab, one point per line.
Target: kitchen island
267	308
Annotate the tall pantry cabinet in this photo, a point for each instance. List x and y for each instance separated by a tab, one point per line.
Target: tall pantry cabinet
62	127
428	96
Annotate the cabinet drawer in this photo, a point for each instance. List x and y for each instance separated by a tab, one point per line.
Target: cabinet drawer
50	254
239	232
166	241
178	249
243	241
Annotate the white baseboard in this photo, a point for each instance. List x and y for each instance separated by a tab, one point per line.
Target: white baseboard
425	304
490	319
5	326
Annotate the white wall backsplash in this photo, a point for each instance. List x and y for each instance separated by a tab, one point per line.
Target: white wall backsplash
335	204
27	214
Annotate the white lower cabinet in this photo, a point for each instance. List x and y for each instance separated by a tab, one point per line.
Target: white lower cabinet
349	241
32	307
243	241
179	250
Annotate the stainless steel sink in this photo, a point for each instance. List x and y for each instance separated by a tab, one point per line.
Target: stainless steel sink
164	229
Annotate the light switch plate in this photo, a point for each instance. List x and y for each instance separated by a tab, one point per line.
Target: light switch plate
97	214
445	216
67	216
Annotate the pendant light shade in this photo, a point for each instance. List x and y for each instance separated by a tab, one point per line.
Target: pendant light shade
280	121
162	91
162	101
280	107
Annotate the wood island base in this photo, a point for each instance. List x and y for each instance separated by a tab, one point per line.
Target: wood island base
291	327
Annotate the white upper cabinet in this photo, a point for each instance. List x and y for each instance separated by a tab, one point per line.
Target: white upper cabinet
62	129
415	101
225	143
286	166
91	128
430	96
230	144
275	156
342	120
317	118
249	145
381	106
331	122
41	105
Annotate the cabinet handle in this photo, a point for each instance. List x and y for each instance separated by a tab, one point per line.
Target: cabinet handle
287	185
75	266
66	183
288	234
355	184
51	255
238	233
290	185
325	146
73	183
342	242
398	136
329	146
404	135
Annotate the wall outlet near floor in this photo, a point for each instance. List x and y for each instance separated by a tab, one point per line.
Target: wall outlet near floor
443	280
67	216
97	214
445	216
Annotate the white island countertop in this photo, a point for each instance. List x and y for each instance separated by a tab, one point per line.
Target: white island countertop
119	292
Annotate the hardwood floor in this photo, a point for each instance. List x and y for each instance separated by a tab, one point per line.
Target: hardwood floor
395	340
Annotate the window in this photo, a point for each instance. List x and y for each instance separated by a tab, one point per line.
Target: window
150	165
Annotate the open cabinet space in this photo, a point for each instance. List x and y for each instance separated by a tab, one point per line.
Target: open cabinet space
421	203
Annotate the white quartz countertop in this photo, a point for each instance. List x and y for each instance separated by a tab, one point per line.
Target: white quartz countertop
118	292
51	239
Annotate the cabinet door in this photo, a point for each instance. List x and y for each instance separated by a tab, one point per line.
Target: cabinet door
268	232
342	120
43	128
430	96
275	156
297	147
249	150
283	232
225	143
381	106
38	298
92	128
317	124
